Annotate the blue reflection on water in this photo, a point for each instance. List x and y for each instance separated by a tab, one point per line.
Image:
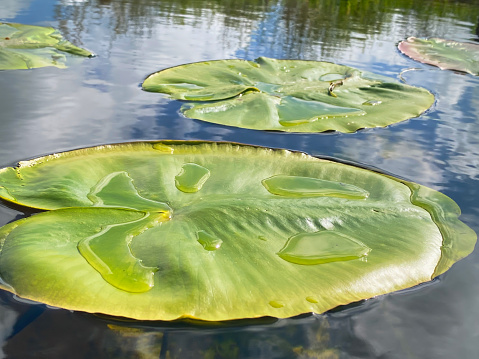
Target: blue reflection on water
28	11
264	39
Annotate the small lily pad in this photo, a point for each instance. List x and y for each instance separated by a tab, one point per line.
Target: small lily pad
289	95
218	231
27	47
445	54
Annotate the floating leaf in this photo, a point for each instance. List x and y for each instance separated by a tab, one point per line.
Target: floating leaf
27	47
445	54
257	232
289	95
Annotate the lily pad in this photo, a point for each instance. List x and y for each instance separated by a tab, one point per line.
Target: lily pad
445	54
289	95
27	46
218	231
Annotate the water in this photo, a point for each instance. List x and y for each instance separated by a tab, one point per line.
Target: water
296	186
99	101
117	190
209	242
191	178
322	247
113	258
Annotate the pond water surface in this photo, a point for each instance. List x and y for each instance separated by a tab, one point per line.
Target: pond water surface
99	100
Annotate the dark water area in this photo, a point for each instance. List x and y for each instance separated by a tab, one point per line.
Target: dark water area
99	100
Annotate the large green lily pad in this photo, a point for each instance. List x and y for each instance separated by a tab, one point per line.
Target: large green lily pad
445	54
218	231
27	46
289	95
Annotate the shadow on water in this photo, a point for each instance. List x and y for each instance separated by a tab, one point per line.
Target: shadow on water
85	335
340	333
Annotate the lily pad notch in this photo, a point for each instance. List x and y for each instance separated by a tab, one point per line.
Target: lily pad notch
288	95
27	46
218	231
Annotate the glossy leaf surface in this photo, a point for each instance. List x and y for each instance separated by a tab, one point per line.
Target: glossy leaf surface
445	54
27	46
218	231
289	95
